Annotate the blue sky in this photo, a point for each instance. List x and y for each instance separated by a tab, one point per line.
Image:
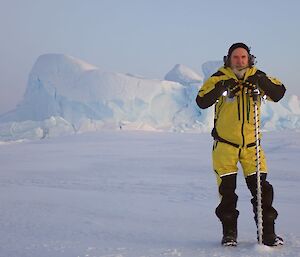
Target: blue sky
146	37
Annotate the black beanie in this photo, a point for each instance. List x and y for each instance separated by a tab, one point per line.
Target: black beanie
238	45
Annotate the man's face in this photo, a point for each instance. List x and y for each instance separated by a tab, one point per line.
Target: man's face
239	59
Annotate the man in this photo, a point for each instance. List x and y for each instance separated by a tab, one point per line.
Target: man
231	90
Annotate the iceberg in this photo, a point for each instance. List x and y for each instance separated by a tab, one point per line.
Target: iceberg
67	95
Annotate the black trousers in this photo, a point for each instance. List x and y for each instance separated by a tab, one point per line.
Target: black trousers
226	210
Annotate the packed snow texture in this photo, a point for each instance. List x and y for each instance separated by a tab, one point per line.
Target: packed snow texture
135	194
66	95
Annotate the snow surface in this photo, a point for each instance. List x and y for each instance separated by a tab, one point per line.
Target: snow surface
134	194
65	95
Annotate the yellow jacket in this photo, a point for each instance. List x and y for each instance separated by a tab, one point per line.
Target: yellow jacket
234	117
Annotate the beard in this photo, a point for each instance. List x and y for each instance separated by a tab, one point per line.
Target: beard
240	71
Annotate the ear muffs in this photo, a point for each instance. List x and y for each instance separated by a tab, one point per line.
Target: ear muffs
251	58
226	61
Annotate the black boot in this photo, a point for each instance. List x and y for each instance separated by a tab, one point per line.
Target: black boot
229	225
271	239
226	210
268	211
269	236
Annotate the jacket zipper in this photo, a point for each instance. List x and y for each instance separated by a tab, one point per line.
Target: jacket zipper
238	107
243	120
217	111
248	107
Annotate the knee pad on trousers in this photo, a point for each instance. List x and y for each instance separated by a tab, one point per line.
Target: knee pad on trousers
266	189
226	210
269	213
251	182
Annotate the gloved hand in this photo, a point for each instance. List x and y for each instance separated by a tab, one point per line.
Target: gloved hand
232	86
258	80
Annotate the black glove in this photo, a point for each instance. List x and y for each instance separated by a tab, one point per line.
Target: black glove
232	86
258	80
